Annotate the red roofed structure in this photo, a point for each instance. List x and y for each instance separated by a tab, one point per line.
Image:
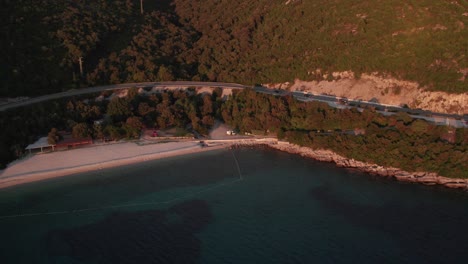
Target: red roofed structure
69	142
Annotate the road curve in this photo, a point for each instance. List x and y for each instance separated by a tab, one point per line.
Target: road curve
120	86
334	101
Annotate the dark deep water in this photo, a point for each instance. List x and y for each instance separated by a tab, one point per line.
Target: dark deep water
196	209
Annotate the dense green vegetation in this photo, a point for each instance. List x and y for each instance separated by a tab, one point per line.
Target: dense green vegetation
398	141
117	118
237	40
44	40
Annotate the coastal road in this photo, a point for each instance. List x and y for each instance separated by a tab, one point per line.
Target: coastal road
120	86
341	102
334	101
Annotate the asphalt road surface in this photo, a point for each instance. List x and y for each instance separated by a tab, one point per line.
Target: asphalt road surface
334	101
119	86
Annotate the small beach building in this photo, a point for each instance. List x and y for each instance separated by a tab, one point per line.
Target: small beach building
66	143
40	144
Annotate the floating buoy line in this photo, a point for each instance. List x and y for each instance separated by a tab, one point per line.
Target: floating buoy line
81	210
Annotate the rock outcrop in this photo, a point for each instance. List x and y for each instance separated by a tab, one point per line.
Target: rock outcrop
427	178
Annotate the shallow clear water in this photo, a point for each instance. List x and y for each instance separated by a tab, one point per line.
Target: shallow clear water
198	209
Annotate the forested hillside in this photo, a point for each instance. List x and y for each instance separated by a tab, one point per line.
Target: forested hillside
229	40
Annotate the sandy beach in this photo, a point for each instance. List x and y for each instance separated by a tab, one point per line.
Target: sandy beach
61	163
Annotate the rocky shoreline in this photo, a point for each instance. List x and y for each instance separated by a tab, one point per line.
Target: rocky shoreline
427	178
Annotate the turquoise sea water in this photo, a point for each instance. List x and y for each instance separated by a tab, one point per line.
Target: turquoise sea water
198	209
